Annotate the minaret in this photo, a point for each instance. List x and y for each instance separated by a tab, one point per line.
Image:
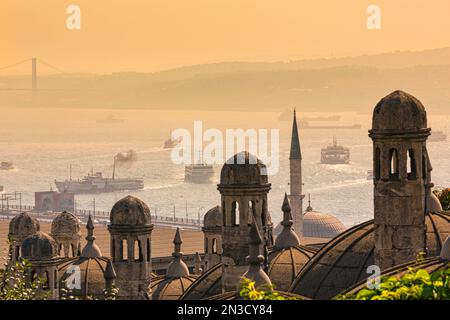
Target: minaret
287	238
401	168
296	182
177	268
255	271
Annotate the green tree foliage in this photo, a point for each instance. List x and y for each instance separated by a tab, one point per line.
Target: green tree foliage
444	197
416	284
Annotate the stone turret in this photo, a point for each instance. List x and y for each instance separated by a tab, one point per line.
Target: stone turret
20	227
401	178
212	235
130	231
66	232
243	187
296	183
287	238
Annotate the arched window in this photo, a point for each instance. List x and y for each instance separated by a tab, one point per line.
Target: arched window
17	252
55	279
46	284
251	212
264	214
214	246
393	165
377	164
124	250
148	250
411	165
235	218
137	250
223	214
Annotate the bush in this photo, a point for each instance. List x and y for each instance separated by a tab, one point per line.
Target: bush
444	197
414	285
249	292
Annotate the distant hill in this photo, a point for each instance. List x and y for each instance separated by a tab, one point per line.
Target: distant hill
347	84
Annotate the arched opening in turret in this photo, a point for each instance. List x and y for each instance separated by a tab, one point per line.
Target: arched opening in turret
223	214
264	214
393	165
251	212
148	250
60	247
17	252
424	167
377	164
55	279
124	250
137	250
214	246
74	250
411	165
235	215
46	284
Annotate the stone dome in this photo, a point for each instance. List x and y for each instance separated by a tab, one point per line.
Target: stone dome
65	224
433	203
130	211
343	261
399	111
213	218
321	225
206	285
243	169
285	264
23	225
94	275
164	288
39	246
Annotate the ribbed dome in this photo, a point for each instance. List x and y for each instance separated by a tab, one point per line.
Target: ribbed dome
285	264
213	218
65	224
243	169
130	211
23	225
164	288
94	274
399	111
433	203
321	225
39	246
207	285
343	261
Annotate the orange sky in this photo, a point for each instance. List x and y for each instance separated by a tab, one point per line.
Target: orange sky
145	35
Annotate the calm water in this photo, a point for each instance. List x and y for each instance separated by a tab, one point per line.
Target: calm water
42	143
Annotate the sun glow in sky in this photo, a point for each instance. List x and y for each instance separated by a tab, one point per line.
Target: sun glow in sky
137	35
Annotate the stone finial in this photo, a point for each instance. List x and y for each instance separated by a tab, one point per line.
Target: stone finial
445	251
296	152
309	208
109	275
287	238
91	250
255	259
198	264
177	268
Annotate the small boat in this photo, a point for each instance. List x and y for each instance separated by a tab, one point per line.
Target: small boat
335	154
198	173
5	165
170	143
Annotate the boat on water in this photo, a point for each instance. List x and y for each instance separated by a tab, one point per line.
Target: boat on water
286	115
170	143
6	165
110	119
437	136
200	173
335	154
97	183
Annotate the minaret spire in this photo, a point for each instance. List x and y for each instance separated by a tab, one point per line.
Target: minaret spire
177	268
287	238
296	183
91	250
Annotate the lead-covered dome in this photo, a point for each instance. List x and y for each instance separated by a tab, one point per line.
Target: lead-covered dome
213	218
321	225
23	225
130	211
65	225
39	246
164	288
399	111
243	169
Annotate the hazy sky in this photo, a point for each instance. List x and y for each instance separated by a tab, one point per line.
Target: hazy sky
145	35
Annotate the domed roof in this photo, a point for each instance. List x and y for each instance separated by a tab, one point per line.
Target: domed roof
207	285
343	261
213	218
430	264
164	288
39	246
94	274
130	211
285	264
399	111
23	225
433	203
65	225
243	169
321	225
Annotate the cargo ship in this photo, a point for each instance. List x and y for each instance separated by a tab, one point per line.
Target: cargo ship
170	143
97	183
198	173
335	154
